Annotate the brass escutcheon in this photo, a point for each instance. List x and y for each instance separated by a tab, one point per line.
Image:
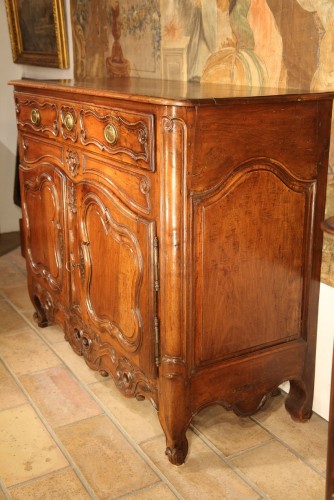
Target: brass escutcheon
111	133
35	116
68	121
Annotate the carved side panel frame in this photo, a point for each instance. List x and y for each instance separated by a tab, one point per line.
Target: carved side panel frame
217	214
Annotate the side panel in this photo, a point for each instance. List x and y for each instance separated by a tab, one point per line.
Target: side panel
257	188
252	254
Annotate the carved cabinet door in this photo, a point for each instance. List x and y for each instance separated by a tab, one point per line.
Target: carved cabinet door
42	188
112	293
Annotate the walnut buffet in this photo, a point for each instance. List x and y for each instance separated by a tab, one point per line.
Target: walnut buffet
173	231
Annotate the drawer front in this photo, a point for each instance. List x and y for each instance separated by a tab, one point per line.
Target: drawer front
35	151
128	137
37	114
68	122
133	187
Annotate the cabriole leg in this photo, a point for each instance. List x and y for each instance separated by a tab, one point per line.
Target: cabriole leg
299	401
174	416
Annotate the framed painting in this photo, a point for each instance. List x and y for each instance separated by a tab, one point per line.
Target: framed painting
37	32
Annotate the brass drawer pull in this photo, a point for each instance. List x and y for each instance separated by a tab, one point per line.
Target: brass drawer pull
111	134
68	121
35	116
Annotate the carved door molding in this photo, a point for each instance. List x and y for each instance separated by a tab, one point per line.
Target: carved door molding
42	189
114	280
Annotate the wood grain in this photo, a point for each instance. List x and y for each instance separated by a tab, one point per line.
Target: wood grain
181	257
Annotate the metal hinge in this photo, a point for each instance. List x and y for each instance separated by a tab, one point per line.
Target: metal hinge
156	290
156	263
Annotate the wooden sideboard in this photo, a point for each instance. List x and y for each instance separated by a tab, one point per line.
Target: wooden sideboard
173	230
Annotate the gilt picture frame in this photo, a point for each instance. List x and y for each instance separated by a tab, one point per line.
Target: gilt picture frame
37	32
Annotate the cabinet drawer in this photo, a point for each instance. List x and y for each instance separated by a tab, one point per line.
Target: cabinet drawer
128	137
35	150
39	115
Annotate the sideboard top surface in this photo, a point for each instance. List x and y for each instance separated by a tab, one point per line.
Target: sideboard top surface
170	92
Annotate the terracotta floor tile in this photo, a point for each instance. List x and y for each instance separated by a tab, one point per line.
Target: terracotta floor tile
138	418
14	258
159	492
26	448
25	352
76	363
9	319
11	275
103	455
204	475
308	438
281	474
105	458
11	394
52	334
228	432
59	396
63	485
19	296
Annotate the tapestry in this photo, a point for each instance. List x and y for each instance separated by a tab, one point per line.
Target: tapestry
262	43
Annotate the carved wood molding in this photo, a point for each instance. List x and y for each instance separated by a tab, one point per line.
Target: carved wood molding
31	104
72	199
122	184
121	235
33	190
72	132
219	203
45	305
254	165
103	357
72	162
174	139
33	154
138	131
172	367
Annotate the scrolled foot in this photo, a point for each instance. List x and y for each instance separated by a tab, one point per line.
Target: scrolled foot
41	320
177	455
298	404
44	308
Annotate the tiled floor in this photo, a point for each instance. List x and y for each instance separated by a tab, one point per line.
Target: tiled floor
66	433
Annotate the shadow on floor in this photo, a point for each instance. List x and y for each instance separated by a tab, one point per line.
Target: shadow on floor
9	241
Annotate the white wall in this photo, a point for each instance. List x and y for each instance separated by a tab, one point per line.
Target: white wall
324	351
9	212
323	365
